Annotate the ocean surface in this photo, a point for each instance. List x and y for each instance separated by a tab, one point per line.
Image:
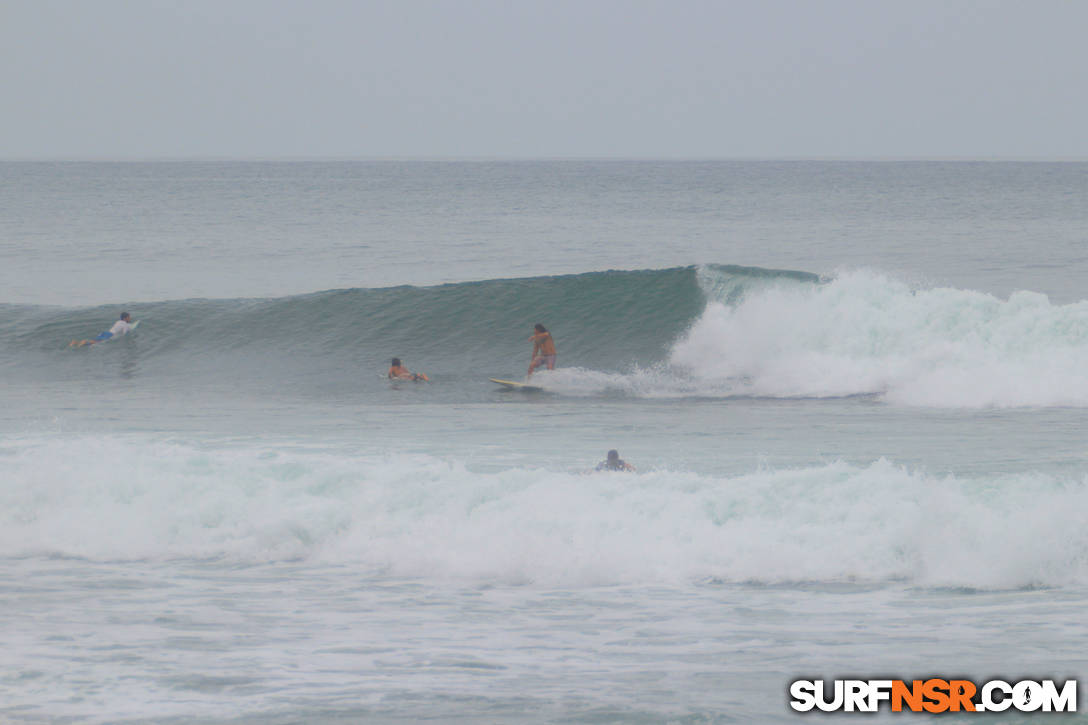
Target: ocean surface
856	395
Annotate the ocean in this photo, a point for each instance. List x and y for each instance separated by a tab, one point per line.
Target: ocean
855	394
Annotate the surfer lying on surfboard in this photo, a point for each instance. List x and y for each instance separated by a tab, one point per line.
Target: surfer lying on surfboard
543	350
399	372
120	328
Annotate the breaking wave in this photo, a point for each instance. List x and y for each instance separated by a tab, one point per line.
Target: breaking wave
422	516
709	331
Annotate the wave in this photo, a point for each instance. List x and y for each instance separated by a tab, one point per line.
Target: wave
865	333
421	516
709	331
600	320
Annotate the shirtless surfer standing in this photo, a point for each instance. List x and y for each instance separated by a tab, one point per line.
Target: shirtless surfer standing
543	349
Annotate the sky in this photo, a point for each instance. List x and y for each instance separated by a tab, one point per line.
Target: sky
133	79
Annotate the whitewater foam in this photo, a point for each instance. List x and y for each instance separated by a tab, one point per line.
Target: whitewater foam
866	333
111	498
657	381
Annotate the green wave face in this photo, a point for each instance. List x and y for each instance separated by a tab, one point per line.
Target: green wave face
607	321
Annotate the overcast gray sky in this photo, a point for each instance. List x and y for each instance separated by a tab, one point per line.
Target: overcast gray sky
552	78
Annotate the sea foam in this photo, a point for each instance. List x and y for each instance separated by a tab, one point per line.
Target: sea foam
865	333
112	498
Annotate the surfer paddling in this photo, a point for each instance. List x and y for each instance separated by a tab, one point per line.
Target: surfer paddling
397	371
543	349
120	328
614	463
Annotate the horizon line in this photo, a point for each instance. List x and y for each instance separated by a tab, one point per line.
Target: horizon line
306	158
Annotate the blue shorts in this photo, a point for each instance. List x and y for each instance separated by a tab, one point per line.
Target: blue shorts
103	336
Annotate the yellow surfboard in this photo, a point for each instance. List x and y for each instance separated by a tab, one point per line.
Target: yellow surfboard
512	385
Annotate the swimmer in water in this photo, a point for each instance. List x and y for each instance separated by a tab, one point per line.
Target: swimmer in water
399	372
614	463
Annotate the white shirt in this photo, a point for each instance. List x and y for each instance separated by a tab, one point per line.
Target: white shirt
120	328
